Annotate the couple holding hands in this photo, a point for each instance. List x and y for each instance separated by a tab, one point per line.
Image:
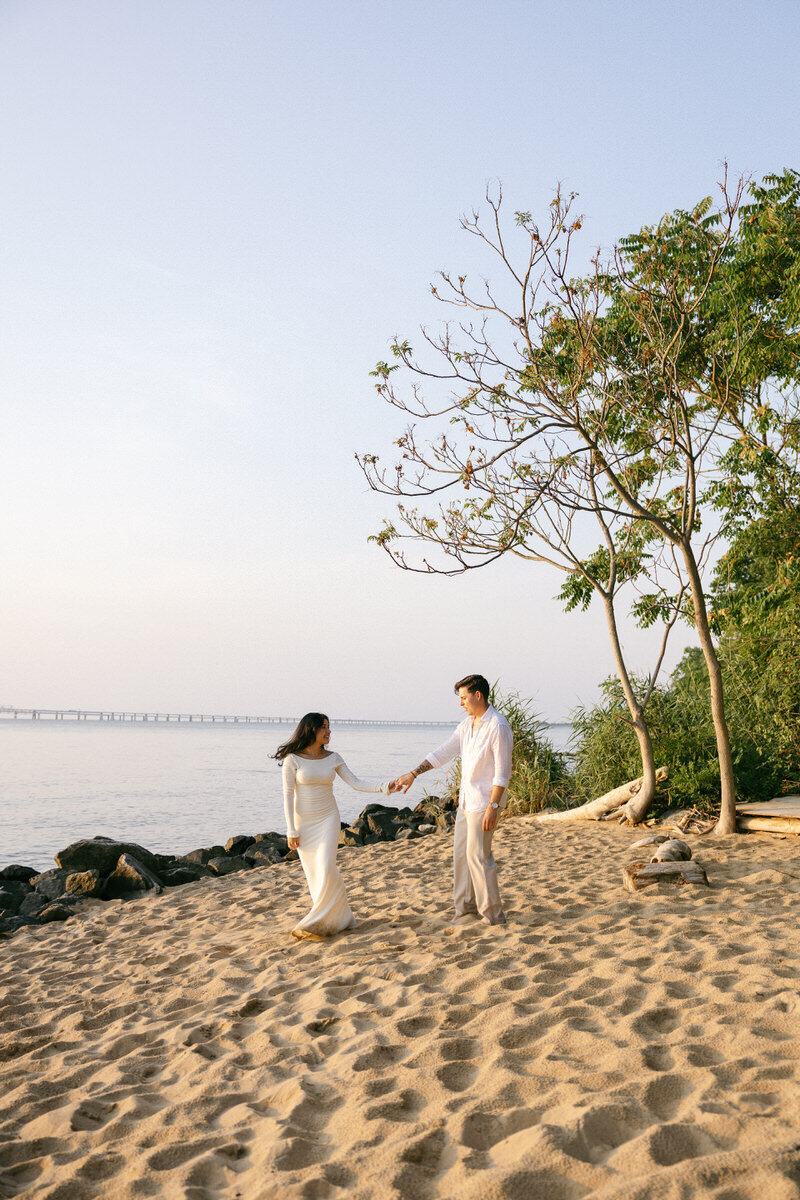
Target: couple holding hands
483	740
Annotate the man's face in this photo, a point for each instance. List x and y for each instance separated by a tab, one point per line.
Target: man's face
472	703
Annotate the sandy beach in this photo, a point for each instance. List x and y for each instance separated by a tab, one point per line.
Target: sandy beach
603	1044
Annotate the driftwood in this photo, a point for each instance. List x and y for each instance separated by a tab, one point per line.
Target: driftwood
768	824
603	807
640	875
655	840
673	850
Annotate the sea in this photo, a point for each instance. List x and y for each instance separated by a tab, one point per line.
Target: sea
175	787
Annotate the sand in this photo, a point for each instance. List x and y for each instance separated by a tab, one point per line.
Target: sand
603	1044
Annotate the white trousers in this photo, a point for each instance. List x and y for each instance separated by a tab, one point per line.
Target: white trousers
474	870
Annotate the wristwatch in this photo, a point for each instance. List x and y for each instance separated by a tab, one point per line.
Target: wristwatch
494	804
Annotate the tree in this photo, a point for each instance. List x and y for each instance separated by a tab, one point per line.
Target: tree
519	494
637	394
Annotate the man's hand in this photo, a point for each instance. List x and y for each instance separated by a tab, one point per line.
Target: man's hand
489	819
394	786
403	782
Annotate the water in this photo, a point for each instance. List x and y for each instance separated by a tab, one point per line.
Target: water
172	787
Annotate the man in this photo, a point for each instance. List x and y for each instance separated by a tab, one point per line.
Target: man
484	741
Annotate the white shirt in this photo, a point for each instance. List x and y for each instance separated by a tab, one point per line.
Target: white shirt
485	758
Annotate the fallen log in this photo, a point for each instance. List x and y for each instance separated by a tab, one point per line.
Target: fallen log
603	806
640	875
746	822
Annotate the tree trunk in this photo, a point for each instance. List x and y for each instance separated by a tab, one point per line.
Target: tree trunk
727	815
595	810
638	803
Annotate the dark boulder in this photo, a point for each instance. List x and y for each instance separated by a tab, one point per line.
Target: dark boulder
445	820
204	855
131	875
17	873
378	808
227	864
239	843
201	871
9	901
175	876
50	883
84	883
277	839
54	912
381	823
101	854
9	925
33	904
292	856
262	854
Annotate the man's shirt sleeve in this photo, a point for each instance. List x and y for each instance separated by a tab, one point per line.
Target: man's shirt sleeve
447	751
503	744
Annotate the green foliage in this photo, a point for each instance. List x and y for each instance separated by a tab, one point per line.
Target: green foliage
756	612
540	775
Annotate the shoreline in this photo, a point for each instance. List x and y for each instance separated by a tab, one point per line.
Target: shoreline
603	1043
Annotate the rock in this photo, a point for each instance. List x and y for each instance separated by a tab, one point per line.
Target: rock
292	856
226	865
445	820
347	838
238	844
84	883
50	883
9	902
16	887
263	858
402	815
407	834
54	912
204	856
176	876
9	925
426	829
130	875
101	854
261	854
381	823
33	904
17	873
372	809
277	839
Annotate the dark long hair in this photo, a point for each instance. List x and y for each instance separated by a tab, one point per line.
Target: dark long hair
307	730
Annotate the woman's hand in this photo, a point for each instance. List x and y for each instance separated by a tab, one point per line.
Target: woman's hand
293	843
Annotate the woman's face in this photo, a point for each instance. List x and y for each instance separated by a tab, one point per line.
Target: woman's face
323	736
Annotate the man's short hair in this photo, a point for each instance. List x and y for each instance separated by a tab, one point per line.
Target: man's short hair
474	683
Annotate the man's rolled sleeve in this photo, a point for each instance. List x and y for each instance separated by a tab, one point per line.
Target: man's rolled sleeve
503	745
446	752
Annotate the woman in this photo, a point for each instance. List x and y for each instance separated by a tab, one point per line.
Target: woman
313	824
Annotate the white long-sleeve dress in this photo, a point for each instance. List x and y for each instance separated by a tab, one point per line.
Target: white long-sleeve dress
312	816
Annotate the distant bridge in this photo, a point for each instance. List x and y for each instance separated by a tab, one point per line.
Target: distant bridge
83	714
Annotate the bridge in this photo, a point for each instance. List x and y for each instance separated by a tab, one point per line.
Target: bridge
83	714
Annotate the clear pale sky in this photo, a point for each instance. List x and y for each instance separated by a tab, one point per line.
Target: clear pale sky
214	218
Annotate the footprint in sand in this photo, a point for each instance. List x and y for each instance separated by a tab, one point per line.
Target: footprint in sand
663	1096
92	1114
406	1107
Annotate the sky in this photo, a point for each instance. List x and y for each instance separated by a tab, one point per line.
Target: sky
214	220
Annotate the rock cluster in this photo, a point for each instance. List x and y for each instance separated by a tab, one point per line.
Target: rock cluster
102	868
